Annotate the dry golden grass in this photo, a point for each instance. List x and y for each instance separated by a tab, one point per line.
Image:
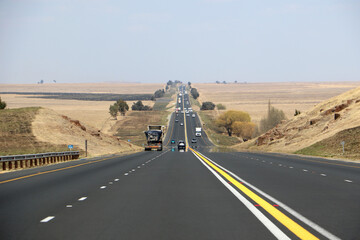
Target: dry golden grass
50	127
93	113
119	88
253	97
313	126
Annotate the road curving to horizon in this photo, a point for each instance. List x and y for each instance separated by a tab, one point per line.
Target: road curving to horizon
196	194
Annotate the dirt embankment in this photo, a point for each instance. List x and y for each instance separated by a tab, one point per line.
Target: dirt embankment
49	126
323	121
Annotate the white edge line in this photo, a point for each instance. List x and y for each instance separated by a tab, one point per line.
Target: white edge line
310	223
263	219
346	180
47	219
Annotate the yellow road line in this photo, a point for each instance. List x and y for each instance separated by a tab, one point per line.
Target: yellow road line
51	171
282	218
186	140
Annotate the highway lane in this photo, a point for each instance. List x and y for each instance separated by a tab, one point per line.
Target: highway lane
176	195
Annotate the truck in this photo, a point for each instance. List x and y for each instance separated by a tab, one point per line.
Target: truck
198	131
154	136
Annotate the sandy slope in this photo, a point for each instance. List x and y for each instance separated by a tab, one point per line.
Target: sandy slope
310	127
49	126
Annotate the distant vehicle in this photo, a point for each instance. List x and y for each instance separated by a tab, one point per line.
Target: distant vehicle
154	136
188	115
193	115
182	111
198	131
181	145
173	141
181	124
176	120
194	140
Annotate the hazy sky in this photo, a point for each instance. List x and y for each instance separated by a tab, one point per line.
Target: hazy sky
189	40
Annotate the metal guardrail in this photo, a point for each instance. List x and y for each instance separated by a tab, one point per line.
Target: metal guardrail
35	156
35	160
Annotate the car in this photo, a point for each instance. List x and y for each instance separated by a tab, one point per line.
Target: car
181	124
173	141
181	145
176	120
193	115
188	115
194	140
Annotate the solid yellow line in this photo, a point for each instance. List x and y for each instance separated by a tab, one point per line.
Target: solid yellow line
282	218
50	171
186	140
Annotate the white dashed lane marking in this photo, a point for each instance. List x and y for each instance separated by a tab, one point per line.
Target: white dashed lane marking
305	170
69	206
47	219
126	174
346	180
82	199
324	175
102	187
116	179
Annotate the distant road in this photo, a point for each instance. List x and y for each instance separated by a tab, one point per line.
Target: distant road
198	194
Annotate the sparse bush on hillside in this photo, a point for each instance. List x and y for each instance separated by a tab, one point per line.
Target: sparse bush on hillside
228	119
220	106
207	106
159	93
273	118
297	112
139	106
244	129
194	93
2	104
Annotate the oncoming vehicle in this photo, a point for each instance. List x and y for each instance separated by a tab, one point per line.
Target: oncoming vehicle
176	120
173	141
193	115
194	140
181	145
181	124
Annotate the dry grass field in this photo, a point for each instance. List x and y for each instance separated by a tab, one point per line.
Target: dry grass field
93	113
120	88
288	96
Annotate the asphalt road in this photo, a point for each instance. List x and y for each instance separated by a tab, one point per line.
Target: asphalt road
196	194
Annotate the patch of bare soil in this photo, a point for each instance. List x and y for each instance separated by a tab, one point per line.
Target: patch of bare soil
321	122
49	126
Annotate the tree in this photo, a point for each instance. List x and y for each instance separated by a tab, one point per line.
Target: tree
297	112
2	104
235	81
244	129
220	106
159	93
189	83
227	119
113	110
217	82
194	93
224	82
122	106
274	117
139	106
167	87
207	106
